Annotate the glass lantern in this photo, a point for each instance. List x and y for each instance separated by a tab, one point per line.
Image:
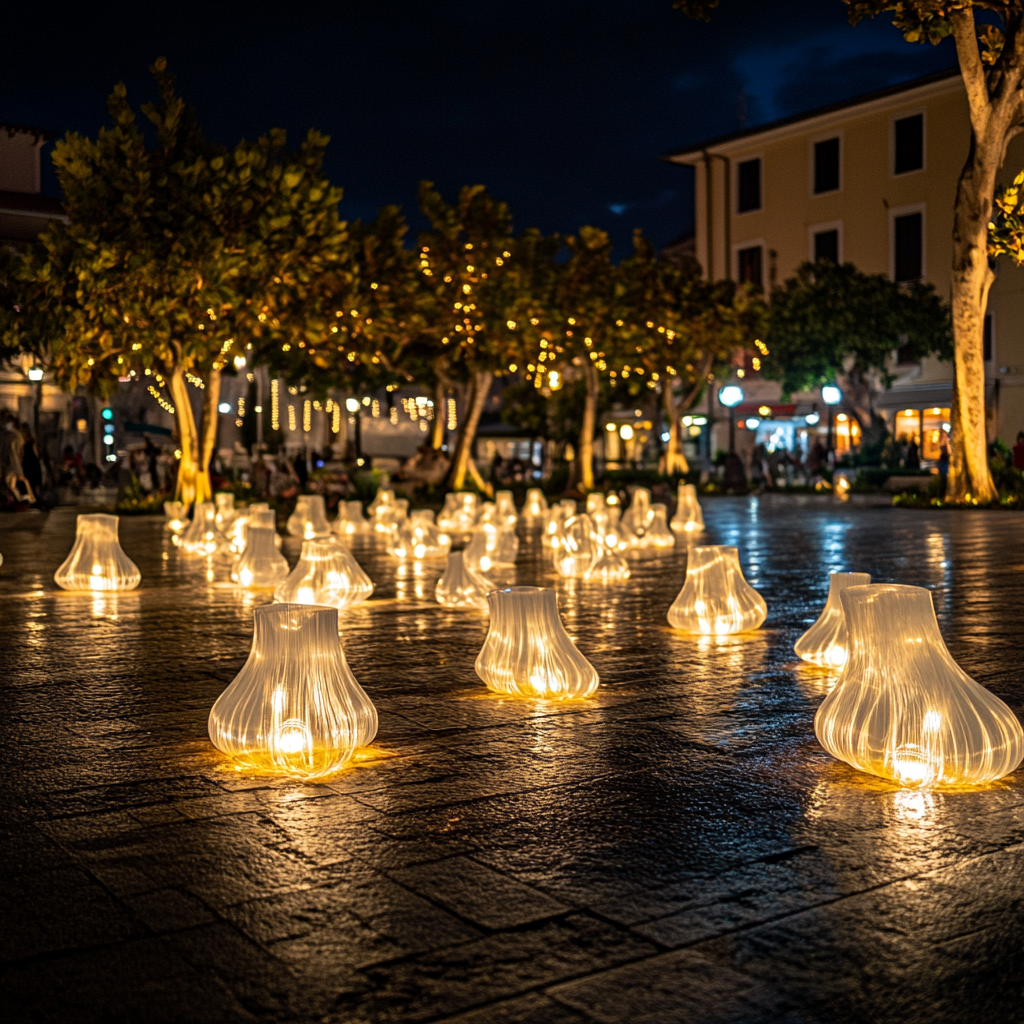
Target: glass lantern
460	512
260	566
462	586
610	566
716	600
350	522
505	512
202	539
580	547
903	709
658	535
236	532
175	516
824	644
309	520
527	652
295	708
535	508
382	499
418	538
491	548
96	561
637	518
688	518
325	574
225	504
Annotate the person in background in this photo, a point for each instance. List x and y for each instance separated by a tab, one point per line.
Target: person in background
301	470
1018	452
913	459
944	453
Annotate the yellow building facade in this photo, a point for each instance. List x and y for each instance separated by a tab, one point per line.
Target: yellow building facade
872	182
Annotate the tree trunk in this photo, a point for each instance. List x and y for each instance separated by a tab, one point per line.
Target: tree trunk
480	388
440	416
675	460
196	449
969	476
585	449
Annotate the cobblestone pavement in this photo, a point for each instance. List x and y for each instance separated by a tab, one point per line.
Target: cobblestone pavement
677	848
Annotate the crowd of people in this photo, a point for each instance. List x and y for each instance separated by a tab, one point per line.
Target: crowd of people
21	464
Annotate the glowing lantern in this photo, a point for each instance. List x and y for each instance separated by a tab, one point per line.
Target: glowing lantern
309	519
658	535
716	600
350	521
236	532
487	514
638	516
610	567
554	529
580	547
225	504
175	516
459	513
825	643
382	499
491	547
325	574
903	709
688	518
505	510
260	566
528	652
295	708
419	538
596	503
462	586
536	507
96	561
842	490
202	539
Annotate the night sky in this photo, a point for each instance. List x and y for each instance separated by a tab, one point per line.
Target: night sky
560	107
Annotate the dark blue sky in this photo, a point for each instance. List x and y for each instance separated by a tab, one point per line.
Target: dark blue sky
560	107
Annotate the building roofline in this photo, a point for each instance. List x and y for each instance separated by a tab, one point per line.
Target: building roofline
692	153
40	134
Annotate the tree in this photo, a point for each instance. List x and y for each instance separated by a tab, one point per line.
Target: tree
176	257
829	320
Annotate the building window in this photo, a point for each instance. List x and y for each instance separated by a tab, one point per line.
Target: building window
986	339
909	144
909	252
826	166
748	186
750	265
826	245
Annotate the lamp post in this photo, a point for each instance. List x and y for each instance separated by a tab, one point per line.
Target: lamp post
831	396
730	396
352	405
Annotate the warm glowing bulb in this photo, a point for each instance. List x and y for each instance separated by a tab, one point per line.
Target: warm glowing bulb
96	561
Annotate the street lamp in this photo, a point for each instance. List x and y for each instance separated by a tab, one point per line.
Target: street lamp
730	396
352	405
830	395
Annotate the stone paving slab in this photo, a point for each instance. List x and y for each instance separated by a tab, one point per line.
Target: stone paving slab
678	848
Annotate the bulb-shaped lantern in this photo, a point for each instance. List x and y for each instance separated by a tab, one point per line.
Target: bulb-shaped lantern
225	503
418	538
462	586
96	561
536	507
350	521
490	548
175	516
688	518
825	644
325	574
505	512
658	535
903	709
639	515
309	519
260	566
528	652
382	499
580	547
236	532
610	566
295	708
202	539
716	599
460	512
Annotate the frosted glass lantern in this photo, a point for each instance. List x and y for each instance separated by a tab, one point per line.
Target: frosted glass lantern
688	518
903	709
716	600
490	548
658	535
295	708
96	561
639	515
825	644
596	503
225	504
528	652
260	566
536	507
610	567
236	531
202	539
505	510
459	513
462	586
488	512
418	538
350	522
309	519
325	574
382	499
580	547
175	516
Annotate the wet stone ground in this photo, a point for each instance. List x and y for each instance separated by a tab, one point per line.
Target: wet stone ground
677	848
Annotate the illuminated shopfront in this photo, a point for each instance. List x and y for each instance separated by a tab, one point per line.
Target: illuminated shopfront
925	426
